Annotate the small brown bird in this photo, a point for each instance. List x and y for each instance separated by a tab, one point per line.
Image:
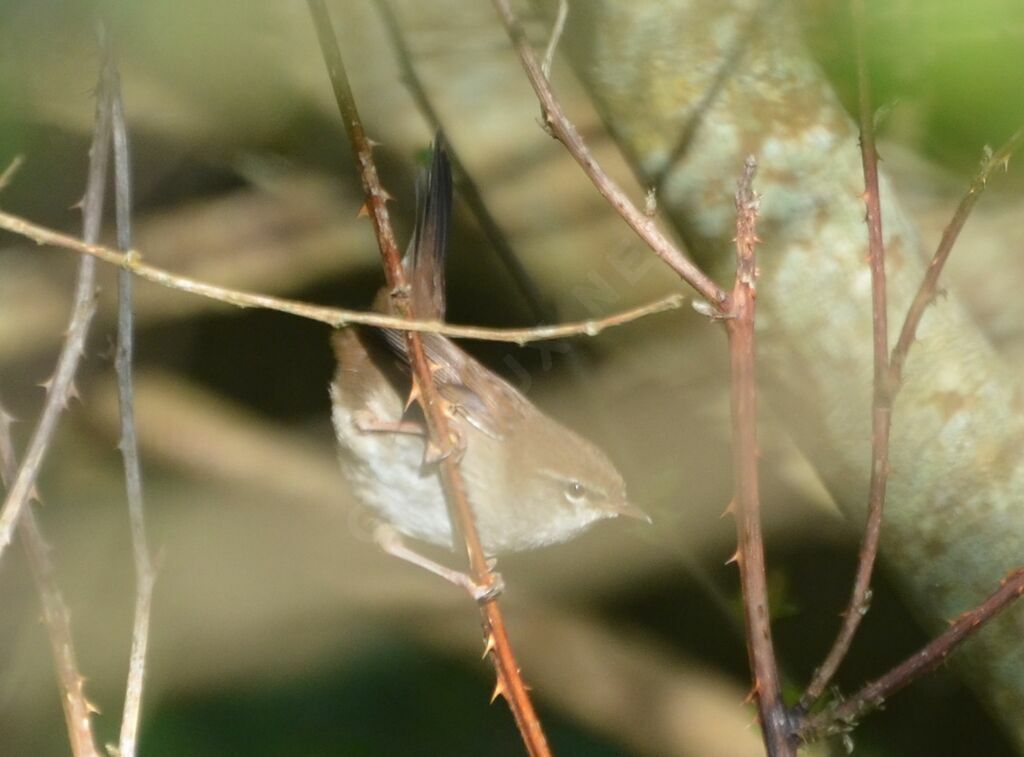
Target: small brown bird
531	481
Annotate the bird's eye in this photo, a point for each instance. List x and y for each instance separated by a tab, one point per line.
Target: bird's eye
575	491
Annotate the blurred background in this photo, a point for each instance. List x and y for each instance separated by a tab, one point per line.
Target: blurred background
278	628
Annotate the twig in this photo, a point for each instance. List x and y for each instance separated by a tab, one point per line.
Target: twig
468	190
77	710
83	307
844	716
746	499
144	573
928	290
12	169
509	679
336	317
556	35
562	128
881	406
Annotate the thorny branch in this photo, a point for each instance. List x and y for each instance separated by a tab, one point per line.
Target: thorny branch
336	317
77	710
929	290
509	679
888	376
842	717
61	385
21	481
564	130
144	573
746	505
737	311
881	406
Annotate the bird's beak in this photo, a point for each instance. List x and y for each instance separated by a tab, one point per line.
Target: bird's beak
627	509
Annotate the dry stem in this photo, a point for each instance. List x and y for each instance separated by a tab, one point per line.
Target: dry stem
61	385
21	481
509	680
881	408
561	16
144	573
77	710
336	317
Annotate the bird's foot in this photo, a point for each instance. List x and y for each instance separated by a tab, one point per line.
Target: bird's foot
389	540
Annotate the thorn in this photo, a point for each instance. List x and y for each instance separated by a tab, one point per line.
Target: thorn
80	205
735	558
373	143
730	509
414	395
47	384
488	646
364	211
386	195
34	496
751	695
651	202
499	689
72	394
91	707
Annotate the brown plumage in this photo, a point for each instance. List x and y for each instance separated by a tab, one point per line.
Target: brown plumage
531	480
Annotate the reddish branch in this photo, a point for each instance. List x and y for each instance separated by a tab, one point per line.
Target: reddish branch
844	716
881	406
929	290
509	681
559	125
747	501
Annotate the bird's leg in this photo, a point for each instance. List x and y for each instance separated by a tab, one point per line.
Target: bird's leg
389	540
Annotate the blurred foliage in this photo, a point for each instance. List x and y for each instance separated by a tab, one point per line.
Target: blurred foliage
433	706
949	74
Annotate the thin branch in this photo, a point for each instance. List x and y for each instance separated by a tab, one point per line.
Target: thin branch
929	290
336	317
881	410
83	307
844	716
144	573
12	169
556	36
747	499
509	679
563	129
77	710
